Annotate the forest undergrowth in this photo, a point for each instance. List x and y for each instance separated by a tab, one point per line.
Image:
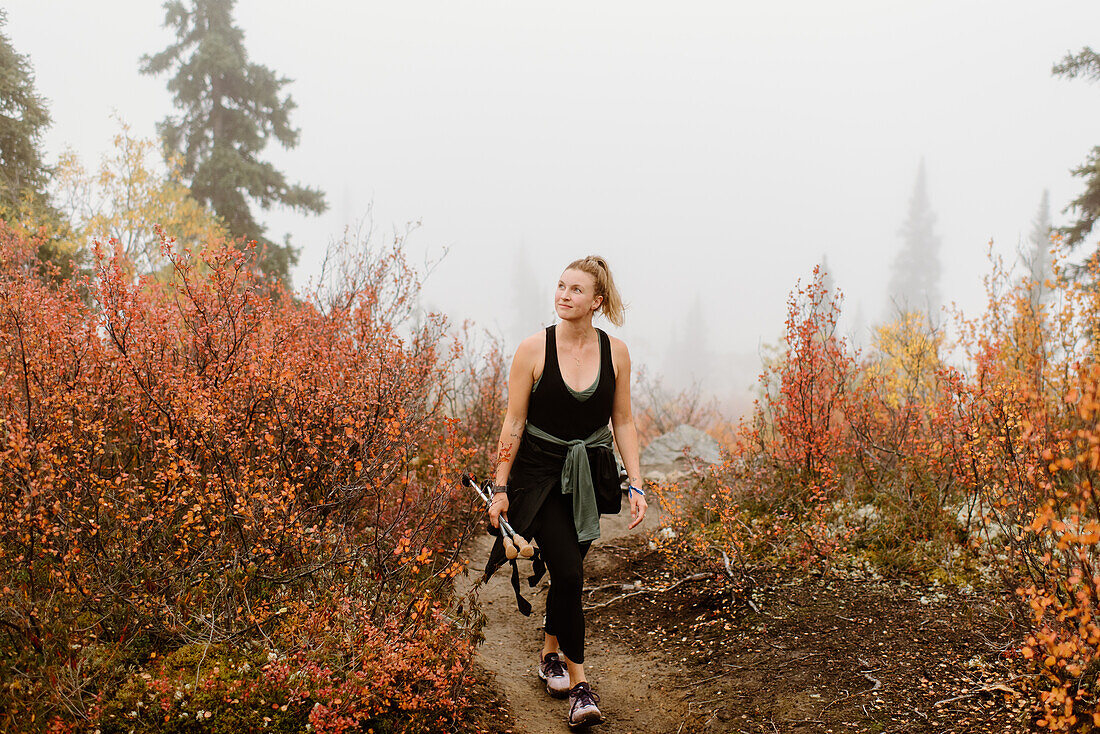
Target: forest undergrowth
227	508
960	451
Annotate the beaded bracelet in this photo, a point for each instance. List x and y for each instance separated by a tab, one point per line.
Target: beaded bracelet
632	489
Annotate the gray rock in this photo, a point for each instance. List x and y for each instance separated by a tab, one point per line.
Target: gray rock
868	514
665	459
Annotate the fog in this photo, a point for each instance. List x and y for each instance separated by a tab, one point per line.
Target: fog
713	152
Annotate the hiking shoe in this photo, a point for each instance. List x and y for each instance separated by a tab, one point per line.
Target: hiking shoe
552	670
582	707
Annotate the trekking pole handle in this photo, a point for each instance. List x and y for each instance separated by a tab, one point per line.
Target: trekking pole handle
514	543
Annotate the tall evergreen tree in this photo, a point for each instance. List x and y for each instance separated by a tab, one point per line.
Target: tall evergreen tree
1086	206
1039	265
23	119
915	281
688	361
229	109
24	174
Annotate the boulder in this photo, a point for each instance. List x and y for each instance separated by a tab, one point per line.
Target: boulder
665	459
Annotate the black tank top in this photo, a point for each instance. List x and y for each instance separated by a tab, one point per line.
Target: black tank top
554	409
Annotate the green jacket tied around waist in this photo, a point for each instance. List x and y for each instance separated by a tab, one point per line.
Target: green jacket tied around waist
576	478
586	469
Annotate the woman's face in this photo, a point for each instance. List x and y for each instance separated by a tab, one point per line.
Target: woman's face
576	295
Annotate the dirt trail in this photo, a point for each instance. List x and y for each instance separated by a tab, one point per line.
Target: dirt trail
633	686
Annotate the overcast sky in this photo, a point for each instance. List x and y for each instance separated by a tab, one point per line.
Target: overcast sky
712	151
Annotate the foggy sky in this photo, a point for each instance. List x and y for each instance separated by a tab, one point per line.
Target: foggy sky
712	151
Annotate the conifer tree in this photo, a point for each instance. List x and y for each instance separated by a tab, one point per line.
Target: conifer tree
1087	206
23	119
24	175
915	281
1039	263
229	108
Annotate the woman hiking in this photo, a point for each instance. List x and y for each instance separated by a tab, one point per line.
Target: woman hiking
556	472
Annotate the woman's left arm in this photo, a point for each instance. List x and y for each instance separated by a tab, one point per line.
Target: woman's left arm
626	434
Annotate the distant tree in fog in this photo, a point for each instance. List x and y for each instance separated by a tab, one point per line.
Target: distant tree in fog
1087	206
828	282
915	280
532	306
688	361
1038	259
859	329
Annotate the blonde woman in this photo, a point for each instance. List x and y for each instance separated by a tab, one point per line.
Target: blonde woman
568	399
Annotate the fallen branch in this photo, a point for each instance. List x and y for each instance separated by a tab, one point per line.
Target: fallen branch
699	682
877	685
606	587
686	579
916	711
1000	687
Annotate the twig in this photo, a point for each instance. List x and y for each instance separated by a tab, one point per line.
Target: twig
743	667
693	577
699	682
605	587
916	711
877	685
1001	686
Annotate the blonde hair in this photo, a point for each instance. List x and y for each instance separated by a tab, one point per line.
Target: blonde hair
612	306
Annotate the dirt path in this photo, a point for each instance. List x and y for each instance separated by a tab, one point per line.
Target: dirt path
633	686
843	651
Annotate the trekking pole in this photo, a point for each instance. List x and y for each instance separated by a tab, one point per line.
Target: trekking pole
514	543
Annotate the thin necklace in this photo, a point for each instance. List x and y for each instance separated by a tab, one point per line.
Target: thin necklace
576	358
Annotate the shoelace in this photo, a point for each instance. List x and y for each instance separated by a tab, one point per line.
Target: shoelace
553	666
583	696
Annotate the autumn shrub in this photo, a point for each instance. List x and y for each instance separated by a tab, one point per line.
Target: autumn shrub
866	452
1033	462
772	499
904	441
396	682
202	463
477	399
985	447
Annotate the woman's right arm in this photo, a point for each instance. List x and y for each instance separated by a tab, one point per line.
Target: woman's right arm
520	381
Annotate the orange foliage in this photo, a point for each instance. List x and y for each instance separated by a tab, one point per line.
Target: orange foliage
1001	452
204	462
771	499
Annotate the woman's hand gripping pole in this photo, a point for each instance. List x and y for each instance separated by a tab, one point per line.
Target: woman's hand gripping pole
514	543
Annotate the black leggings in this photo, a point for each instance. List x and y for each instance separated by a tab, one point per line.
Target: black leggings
564	556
